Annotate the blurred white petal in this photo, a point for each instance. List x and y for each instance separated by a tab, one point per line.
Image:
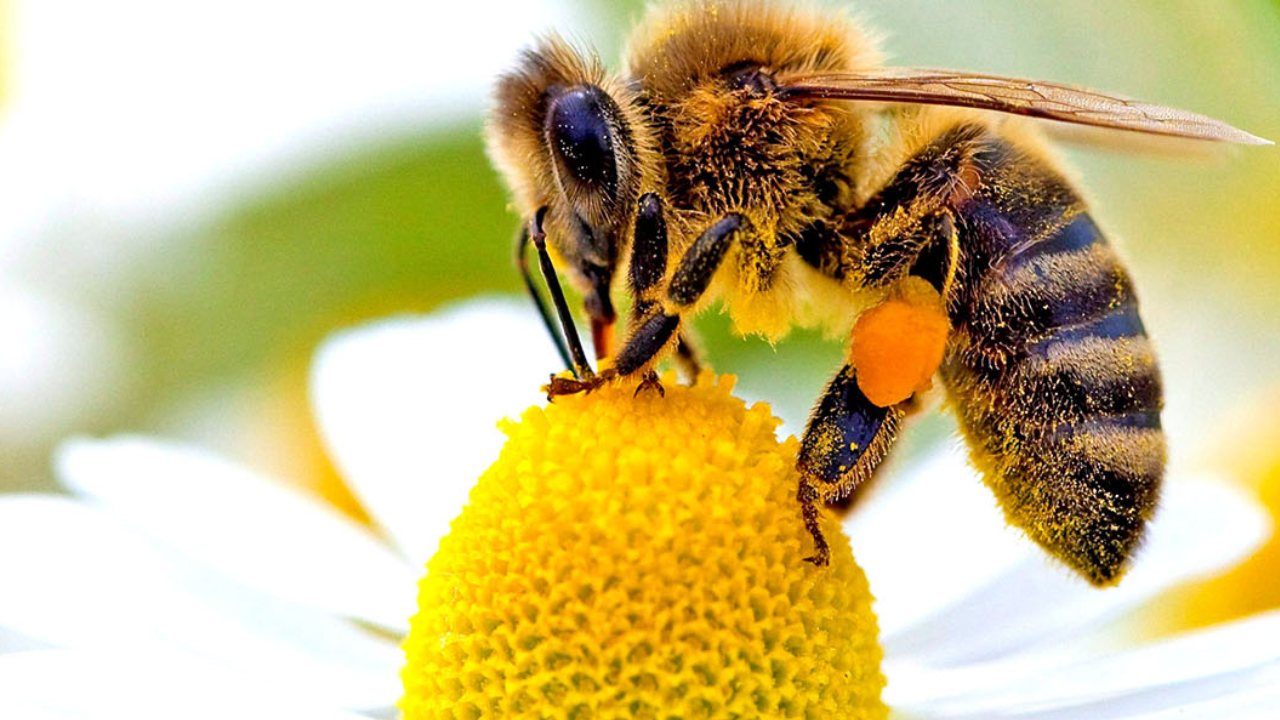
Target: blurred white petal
76	577
1199	667
409	408
128	126
1184	669
1202	525
58	361
937	526
933	526
1254	703
144	108
108	685
259	532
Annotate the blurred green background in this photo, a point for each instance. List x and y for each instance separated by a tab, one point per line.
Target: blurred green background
218	315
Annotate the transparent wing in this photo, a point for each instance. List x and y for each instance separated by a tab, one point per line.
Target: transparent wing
1035	98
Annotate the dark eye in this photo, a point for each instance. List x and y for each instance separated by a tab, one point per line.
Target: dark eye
581	137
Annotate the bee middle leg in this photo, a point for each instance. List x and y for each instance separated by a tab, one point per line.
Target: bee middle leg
691	278
648	267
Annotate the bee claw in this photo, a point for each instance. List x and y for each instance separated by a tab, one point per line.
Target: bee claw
807	495
560	385
821	559
650	381
568	386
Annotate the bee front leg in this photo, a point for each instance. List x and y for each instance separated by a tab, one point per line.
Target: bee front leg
645	341
650	329
522	264
648	254
579	365
700	263
846	438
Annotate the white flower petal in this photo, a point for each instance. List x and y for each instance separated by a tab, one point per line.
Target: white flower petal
13	641
409	408
1252	703
75	577
1202	526
929	536
142	685
1237	662
259	532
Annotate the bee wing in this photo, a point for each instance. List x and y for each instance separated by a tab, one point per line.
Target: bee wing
1035	98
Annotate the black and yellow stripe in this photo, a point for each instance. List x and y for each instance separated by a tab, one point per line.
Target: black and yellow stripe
1050	371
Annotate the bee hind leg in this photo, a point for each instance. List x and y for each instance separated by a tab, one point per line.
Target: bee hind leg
846	438
807	495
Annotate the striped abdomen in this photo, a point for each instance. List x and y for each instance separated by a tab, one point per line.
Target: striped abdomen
1051	373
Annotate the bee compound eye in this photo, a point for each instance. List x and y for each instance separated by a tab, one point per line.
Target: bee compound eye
581	136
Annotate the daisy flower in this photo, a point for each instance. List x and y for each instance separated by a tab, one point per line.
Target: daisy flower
623	556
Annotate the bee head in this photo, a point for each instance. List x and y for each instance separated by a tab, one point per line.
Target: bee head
573	140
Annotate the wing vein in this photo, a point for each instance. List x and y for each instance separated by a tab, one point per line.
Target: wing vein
1034	98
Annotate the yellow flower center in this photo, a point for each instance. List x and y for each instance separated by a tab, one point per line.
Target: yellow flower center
641	557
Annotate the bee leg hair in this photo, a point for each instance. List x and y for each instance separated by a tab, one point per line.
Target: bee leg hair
700	263
846	438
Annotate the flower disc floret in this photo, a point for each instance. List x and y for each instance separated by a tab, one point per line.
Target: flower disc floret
641	557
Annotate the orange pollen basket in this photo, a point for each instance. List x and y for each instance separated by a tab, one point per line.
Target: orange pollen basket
897	347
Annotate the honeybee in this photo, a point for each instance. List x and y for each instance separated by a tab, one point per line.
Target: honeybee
759	154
